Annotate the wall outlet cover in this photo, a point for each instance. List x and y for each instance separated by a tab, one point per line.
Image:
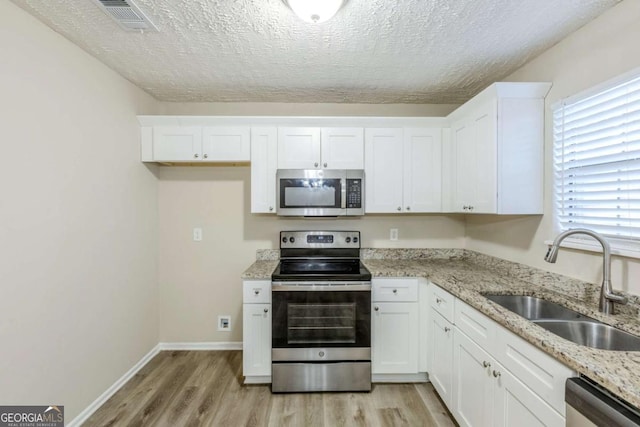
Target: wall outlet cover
224	322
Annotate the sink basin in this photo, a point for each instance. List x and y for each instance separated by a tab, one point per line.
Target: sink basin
567	323
592	334
533	308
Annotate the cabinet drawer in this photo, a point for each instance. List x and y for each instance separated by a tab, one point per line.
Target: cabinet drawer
475	325
540	372
442	302
394	290
256	291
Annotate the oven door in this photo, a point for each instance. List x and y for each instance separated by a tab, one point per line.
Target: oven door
311	192
321	316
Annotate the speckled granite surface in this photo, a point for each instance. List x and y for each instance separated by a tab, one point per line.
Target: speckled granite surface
468	275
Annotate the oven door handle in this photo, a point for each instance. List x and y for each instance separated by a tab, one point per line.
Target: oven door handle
310	287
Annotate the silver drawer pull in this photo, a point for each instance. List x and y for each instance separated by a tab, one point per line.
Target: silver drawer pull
395	291
496	374
266	310
376	308
447	329
256	291
438	301
486	364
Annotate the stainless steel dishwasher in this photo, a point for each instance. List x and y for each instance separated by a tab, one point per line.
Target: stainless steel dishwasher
589	404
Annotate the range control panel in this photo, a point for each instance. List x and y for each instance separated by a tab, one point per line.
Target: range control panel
319	239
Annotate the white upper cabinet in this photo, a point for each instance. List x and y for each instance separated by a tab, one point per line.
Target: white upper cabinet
320	148
422	170
497	154
196	144
403	170
342	148
264	163
177	143
226	144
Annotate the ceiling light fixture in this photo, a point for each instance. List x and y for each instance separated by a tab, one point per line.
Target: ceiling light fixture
315	11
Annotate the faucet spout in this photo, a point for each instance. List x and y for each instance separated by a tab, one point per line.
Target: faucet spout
607	297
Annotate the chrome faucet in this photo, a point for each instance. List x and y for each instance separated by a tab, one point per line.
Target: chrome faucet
607	297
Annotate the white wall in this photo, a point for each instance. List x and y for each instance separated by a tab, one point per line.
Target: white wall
78	280
201	280
603	49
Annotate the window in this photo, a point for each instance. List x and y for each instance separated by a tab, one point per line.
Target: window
597	162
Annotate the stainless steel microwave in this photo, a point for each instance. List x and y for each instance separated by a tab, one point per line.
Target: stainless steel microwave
320	192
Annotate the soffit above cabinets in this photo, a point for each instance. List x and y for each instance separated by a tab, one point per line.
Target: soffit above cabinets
372	51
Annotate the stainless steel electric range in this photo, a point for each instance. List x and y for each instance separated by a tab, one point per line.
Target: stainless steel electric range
321	315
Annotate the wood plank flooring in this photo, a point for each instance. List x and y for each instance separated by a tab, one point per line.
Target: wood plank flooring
204	388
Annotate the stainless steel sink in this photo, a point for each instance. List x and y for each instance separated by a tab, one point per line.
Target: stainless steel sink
533	308
567	323
592	334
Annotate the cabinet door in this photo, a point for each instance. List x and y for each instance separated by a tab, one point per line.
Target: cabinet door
441	356
342	148
256	339
517	405
177	143
475	140
226	144
383	170
423	170
485	123
264	163
472	383
298	148
394	338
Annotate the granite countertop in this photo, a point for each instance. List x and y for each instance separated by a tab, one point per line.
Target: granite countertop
467	275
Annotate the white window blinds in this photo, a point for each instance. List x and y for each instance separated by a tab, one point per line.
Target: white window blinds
597	161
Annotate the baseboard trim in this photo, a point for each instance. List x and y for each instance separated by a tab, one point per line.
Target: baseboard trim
89	410
400	378
233	345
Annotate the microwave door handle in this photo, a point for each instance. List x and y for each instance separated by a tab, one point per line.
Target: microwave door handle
343	191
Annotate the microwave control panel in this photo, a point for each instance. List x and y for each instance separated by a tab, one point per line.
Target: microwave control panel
354	193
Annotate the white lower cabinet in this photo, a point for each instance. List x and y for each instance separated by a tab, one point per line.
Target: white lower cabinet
398	329
486	394
487	375
394	349
441	356
256	331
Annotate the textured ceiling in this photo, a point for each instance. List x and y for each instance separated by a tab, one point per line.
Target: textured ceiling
372	51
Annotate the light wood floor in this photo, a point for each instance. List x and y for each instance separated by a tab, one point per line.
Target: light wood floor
204	388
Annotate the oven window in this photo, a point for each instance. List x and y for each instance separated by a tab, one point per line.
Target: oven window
321	323
321	319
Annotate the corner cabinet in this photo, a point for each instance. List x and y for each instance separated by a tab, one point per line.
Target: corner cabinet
403	170
256	331
497	147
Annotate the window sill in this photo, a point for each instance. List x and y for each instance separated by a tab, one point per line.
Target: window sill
618	247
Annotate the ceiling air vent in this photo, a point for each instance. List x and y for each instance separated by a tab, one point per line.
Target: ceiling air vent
127	15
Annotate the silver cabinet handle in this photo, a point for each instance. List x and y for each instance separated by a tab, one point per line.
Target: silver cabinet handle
376	308
257	291
399	208
438	301
395	291
266	310
496	374
486	364
325	165
465	207
408	208
470	208
321	354
206	156
447	329
270	208
195	156
315	164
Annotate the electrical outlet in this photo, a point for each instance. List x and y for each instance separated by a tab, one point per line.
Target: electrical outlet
224	322
197	234
393	234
